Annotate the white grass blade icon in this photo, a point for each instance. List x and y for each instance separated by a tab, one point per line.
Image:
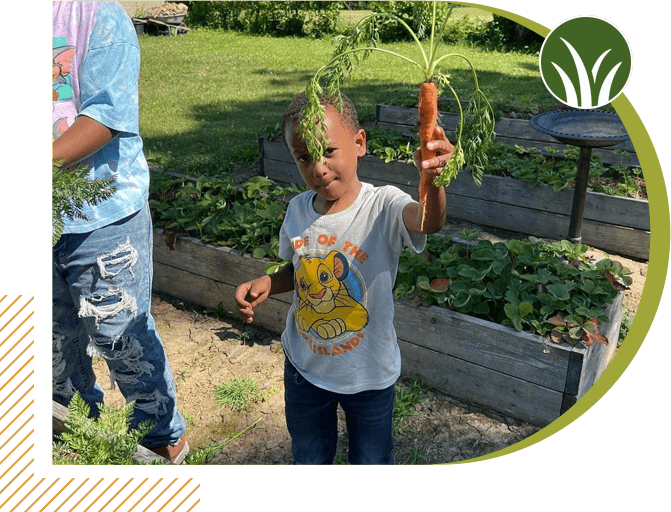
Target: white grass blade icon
583	77
604	93
597	64
571	96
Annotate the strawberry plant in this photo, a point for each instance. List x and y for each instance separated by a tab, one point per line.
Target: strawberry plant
214	210
533	166
527	164
550	289
389	145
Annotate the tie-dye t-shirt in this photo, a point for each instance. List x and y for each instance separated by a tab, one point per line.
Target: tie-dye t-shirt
96	64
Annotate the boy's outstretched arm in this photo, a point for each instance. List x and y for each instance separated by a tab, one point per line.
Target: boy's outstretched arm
436	202
81	140
252	293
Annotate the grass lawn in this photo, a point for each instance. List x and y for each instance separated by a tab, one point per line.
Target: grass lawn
207	96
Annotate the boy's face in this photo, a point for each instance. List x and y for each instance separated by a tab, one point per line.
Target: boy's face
334	179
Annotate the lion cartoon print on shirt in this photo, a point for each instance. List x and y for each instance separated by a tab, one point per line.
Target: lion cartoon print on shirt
326	307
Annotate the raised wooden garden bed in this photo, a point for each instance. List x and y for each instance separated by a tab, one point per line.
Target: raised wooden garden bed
208	275
518	374
615	224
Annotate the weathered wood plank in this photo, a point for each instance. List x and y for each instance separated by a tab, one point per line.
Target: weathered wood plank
478	385
206	292
217	263
611	238
59	412
619	211
281	172
597	359
486	344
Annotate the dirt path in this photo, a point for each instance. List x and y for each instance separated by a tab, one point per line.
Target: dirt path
205	350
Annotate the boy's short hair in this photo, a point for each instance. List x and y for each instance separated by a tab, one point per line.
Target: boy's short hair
294	110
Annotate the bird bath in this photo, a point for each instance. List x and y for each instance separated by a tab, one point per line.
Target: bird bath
586	129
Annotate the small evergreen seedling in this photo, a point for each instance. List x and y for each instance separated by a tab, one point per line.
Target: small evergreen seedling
107	439
70	191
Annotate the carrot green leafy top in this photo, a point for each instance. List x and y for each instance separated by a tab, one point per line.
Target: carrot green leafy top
475	131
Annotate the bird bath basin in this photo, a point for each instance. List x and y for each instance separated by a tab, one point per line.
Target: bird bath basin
586	129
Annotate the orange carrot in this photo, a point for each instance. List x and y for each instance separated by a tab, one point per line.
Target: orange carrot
428	115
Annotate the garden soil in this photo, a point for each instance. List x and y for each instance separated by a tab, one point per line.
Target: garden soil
206	350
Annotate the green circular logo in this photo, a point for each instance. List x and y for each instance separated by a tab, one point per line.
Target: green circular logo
585	62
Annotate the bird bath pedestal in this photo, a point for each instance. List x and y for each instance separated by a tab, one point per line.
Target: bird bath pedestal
586	129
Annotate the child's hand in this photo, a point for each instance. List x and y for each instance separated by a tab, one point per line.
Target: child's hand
249	295
444	150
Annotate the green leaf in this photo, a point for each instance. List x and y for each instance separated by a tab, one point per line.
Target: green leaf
525	308
259	252
461	300
560	291
468	234
513	314
481	309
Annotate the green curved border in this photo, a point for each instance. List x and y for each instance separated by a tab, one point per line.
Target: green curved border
657	265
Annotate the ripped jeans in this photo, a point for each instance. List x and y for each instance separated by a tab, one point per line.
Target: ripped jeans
101	307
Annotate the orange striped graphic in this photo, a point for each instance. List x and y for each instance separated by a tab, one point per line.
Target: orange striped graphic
18	471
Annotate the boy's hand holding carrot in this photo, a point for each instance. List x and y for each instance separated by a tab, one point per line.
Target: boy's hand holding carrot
433	166
428	216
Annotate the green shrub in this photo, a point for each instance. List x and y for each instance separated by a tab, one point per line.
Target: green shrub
503	34
464	31
416	14
313	19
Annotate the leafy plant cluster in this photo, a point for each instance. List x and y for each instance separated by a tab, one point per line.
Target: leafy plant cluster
405	399
530	165
313	19
390	145
505	35
214	210
544	288
103	440
241	392
533	166
499	34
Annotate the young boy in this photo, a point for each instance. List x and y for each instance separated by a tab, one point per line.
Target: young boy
343	239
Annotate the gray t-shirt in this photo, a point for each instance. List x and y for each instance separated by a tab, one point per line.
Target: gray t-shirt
340	334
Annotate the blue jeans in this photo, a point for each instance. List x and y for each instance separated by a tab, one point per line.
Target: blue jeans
311	415
101	307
